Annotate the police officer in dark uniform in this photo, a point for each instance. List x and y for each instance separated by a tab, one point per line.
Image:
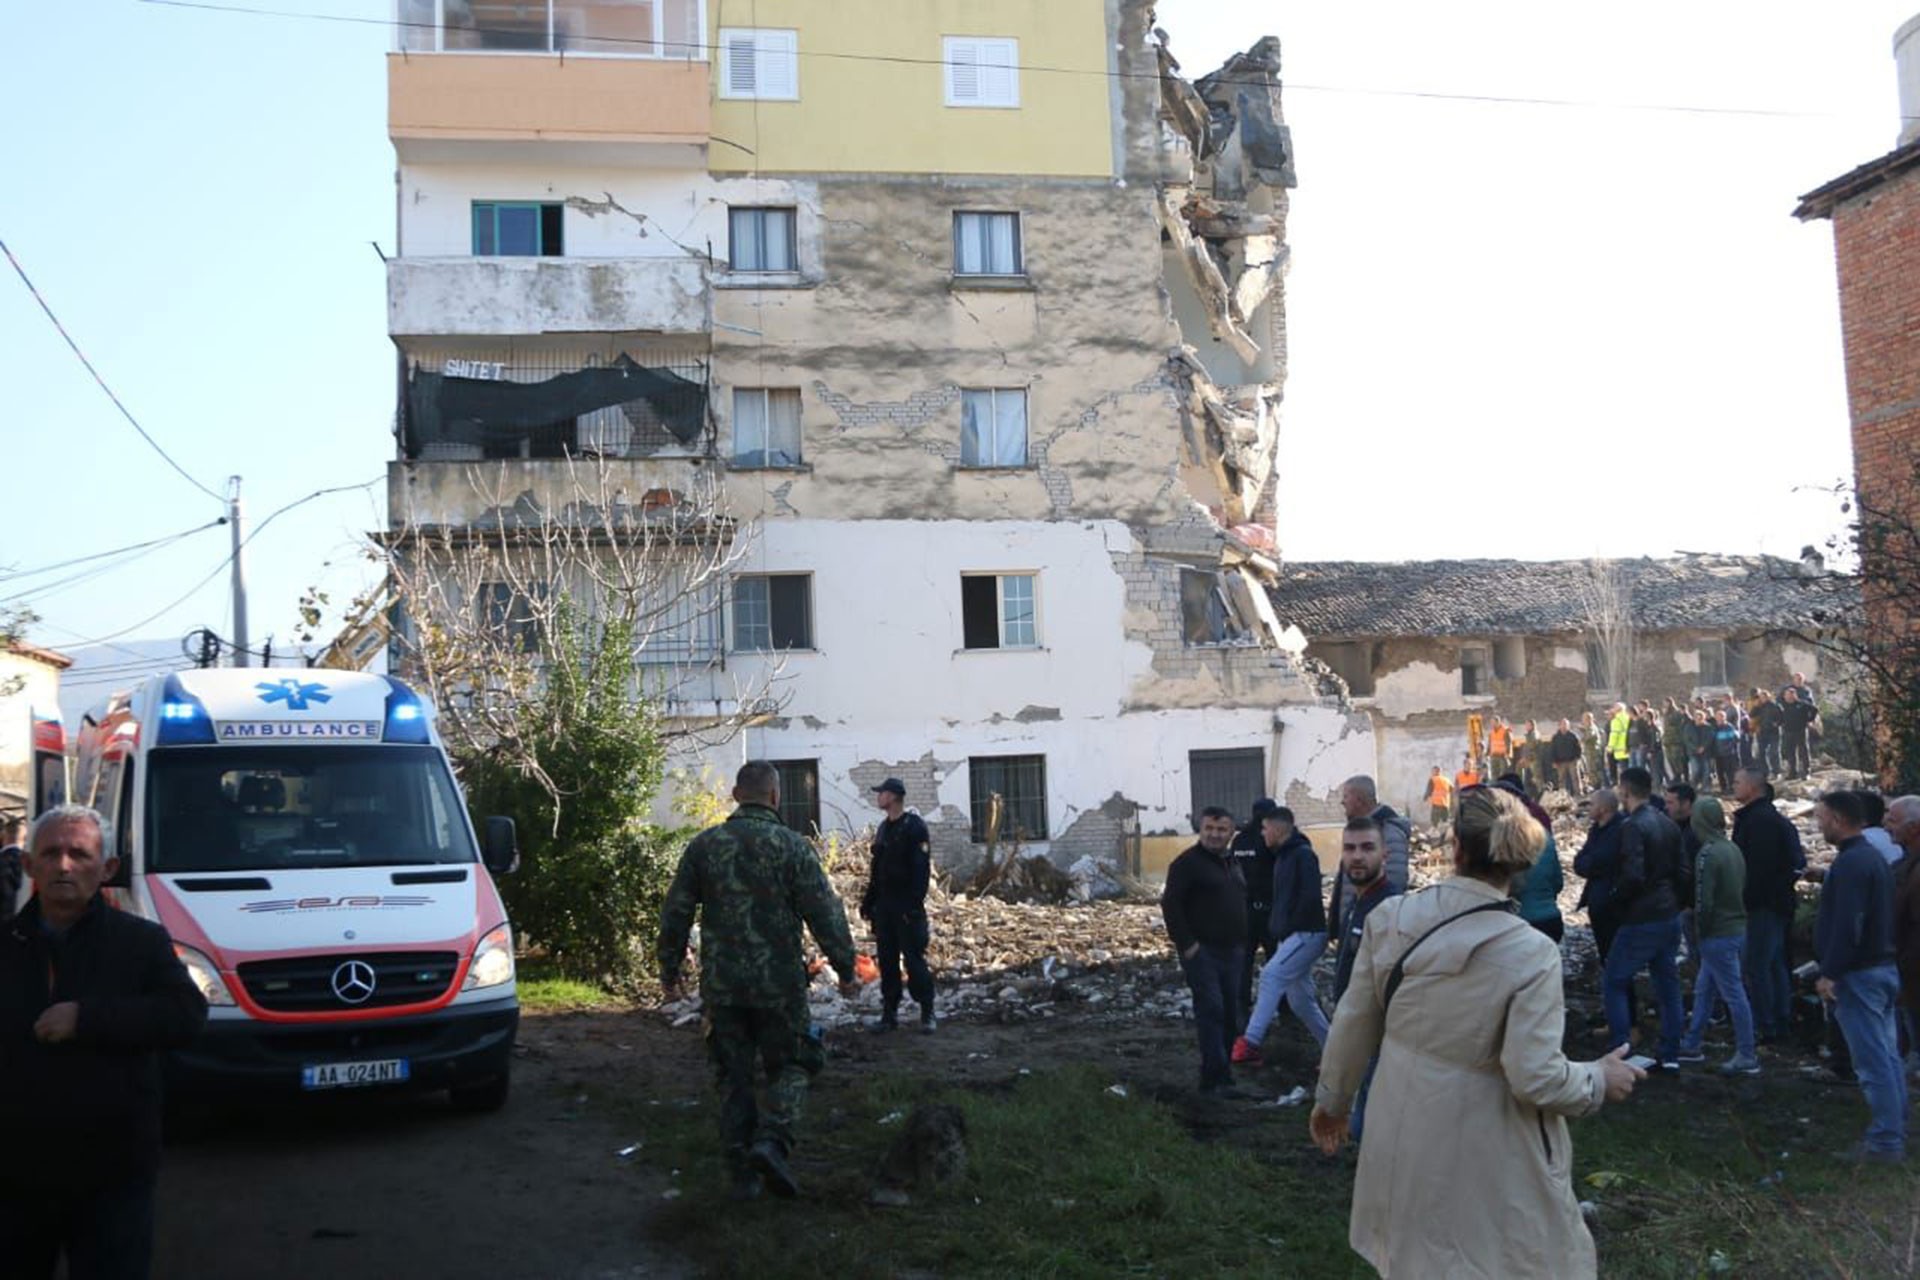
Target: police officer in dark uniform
1255	860
895	904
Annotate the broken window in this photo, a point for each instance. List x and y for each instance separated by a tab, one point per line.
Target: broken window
1232	779
1204	615
982	72
772	611
1713	663
1510	658
1352	661
1599	670
761	240
766	427
516	229
993	428
987	244
760	63
997	611
506	614
1473	671
1021	784
799	794
1743	661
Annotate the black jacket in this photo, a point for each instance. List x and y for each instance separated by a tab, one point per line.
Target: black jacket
1255	860
11	872
1205	901
1349	924
86	1114
1651	864
902	864
1296	891
1565	747
1771	846
1598	863
1855	928
1796	718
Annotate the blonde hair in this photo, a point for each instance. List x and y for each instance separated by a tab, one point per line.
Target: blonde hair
1497	836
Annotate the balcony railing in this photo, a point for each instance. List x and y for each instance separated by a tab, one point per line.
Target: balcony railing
509	296
577	28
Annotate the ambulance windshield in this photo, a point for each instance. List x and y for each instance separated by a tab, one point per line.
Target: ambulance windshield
280	808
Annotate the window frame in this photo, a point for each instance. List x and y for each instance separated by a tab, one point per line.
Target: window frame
738	645
786	769
1224	757
792	213
1700	649
789	36
1484	666
505	614
1019	220
993	416
434	40
737	460
540	210
948	61
978	794
1000	579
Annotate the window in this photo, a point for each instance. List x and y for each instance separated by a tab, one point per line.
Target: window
1232	779
762	64
1473	671
1599	670
1713	663
982	72
1743	661
1021	784
772	611
1204	617
993	428
799	794
513	229
766	426
761	240
1351	660
507	615
987	244
601	28
1510	658
997	611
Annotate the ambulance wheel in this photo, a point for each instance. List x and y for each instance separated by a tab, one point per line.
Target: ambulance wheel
476	1099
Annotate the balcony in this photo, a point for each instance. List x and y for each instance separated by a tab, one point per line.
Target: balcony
513	297
612	80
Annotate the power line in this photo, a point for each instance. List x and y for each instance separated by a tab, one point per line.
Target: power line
102	555
42	591
222	566
690	47
124	411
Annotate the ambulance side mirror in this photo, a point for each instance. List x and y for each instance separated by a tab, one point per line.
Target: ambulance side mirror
501	848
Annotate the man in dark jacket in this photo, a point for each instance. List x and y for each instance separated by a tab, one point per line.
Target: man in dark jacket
1254	857
1363	870
1853	939
1598	863
89	998
1771	847
1297	935
1204	905
1765	713
1797	715
895	904
1563	751
1649	901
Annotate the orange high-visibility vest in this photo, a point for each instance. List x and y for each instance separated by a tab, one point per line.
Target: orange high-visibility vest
1500	741
1439	791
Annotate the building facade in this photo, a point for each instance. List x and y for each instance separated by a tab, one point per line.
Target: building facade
973	315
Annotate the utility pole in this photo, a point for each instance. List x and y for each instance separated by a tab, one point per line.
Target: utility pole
239	567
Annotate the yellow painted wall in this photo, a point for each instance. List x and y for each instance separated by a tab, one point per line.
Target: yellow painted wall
888	117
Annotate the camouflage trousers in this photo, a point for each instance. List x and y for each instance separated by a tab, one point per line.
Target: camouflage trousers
740	1041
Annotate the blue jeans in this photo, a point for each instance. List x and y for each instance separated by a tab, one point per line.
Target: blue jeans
1289	976
1653	946
1864	1003
1213	974
1699	772
1720	976
1766	972
1770	755
1356	1117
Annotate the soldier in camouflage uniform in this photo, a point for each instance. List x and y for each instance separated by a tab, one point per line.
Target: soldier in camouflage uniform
754	881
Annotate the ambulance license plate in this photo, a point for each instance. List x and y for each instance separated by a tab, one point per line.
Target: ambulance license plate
353	1075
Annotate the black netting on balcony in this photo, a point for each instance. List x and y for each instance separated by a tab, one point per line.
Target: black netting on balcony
622	409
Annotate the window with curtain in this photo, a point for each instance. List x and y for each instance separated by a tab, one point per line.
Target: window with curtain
761	240
766	426
987	244
993	428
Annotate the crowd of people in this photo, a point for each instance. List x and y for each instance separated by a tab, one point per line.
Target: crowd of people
1433	988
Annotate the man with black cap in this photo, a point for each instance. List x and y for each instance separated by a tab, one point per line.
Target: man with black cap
895	904
1252	855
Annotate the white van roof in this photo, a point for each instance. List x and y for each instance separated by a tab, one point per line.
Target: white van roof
290	705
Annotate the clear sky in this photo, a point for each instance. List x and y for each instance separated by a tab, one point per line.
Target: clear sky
1517	330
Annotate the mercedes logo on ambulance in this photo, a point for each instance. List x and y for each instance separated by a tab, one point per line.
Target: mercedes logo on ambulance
353	982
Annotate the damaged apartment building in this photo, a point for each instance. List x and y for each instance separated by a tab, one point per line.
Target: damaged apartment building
975	312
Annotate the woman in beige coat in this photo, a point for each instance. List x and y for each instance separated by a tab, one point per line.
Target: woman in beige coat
1467	1170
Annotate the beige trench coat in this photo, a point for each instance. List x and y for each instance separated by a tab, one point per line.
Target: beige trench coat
1466	1169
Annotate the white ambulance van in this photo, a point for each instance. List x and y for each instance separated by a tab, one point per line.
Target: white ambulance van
301	837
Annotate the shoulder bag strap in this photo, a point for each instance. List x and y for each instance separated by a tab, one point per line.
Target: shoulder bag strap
1399	973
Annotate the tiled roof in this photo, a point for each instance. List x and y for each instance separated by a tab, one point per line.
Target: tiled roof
1542	597
1821	201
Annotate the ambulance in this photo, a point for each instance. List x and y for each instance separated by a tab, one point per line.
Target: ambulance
300	835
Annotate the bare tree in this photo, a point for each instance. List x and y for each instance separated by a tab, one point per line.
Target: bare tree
1606	608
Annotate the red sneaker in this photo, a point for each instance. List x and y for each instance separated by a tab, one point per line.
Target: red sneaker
1246	1053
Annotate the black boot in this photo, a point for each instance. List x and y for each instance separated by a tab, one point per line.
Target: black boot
770	1162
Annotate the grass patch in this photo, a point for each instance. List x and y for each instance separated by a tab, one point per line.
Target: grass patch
1064	1179
544	990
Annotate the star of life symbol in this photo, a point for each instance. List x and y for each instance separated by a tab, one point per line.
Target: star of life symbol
353	982
294	692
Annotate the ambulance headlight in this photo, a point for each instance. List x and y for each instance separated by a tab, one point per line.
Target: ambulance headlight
205	975
492	960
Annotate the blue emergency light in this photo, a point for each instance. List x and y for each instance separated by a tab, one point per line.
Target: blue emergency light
184	721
